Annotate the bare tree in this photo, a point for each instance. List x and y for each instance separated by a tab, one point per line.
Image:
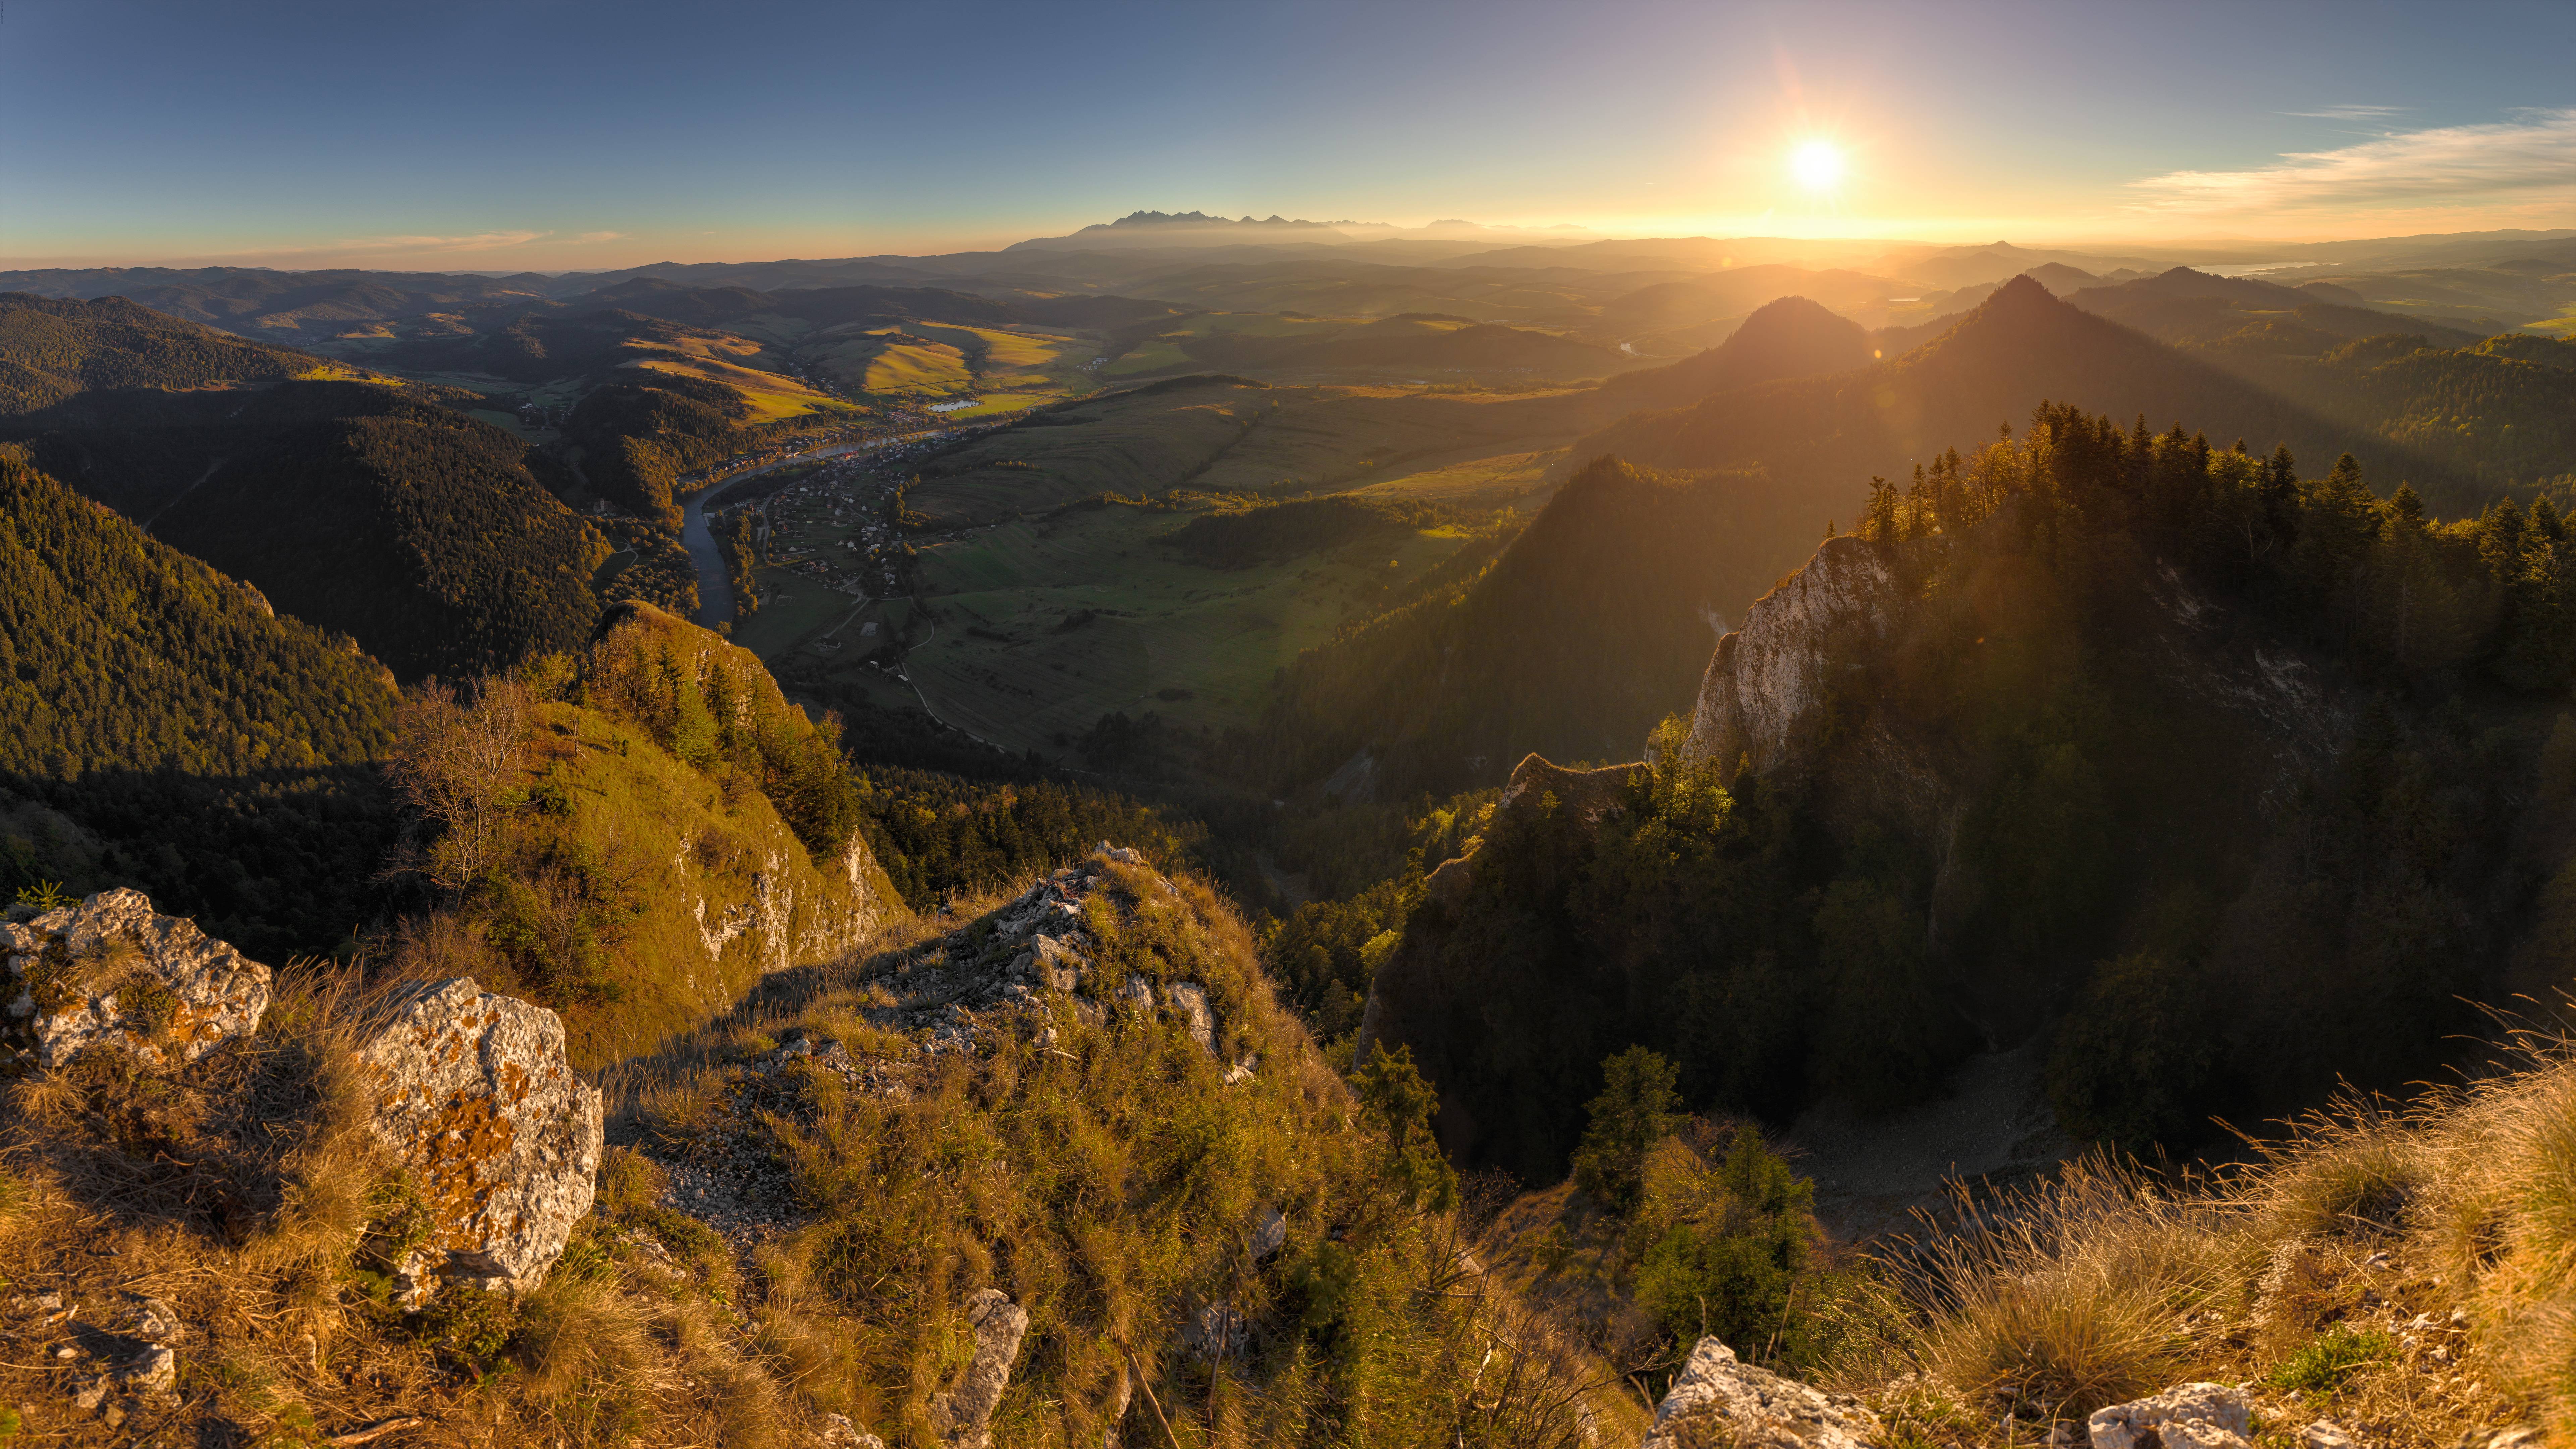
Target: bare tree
452	759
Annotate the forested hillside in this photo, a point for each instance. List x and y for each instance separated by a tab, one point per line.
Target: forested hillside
412	527
638	435
367	508
51	350
2237	781
161	727
2494	414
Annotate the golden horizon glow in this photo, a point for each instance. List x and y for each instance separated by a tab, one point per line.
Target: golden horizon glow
1817	164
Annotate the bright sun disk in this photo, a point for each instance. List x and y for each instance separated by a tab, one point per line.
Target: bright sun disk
1817	165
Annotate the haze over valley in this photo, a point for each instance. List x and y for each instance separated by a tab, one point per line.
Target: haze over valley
1695	729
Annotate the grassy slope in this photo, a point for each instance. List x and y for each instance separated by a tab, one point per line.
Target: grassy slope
1102	1175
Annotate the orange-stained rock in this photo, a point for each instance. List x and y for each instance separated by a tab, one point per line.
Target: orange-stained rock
474	1096
110	971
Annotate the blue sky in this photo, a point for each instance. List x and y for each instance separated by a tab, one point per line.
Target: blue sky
549	135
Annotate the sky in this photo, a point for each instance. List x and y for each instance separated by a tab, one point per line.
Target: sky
549	134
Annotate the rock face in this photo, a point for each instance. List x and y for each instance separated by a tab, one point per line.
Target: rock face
1770	677
1718	1403
2193	1416
962	1413
474	1097
109	971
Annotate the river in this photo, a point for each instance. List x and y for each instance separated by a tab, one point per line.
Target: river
715	588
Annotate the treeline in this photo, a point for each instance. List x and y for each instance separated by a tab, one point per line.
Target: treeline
940	835
735	536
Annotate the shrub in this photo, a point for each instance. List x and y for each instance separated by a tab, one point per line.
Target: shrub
2334	1356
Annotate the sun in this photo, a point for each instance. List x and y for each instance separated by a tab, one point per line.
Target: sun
1817	165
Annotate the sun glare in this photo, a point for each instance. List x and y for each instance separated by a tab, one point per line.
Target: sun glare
1818	165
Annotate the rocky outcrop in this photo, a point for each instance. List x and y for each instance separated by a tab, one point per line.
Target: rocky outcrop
1720	1403
111	972
1034	955
1769	679
961	1414
475	1099
2193	1416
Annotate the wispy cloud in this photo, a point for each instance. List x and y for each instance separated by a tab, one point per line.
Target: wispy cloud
485	241
2350	113
2531	155
599	236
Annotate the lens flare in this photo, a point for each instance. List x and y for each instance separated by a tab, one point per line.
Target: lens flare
1818	165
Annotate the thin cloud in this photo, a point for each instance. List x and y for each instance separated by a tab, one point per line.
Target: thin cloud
2532	154
2350	113
599	236
486	241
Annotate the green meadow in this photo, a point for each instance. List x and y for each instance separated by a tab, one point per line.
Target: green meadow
1039	627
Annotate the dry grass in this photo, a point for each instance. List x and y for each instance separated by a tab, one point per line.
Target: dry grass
245	1192
2408	1273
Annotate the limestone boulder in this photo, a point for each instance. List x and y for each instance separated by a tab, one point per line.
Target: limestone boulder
110	971
2192	1416
962	1414
474	1096
1719	1401
1189	1001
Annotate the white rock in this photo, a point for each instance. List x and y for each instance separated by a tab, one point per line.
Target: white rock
1189	1000
2203	1415
1135	992
961	1414
1769	676
155	1370
474	1096
1718	1400
1055	963
2325	1434
111	971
